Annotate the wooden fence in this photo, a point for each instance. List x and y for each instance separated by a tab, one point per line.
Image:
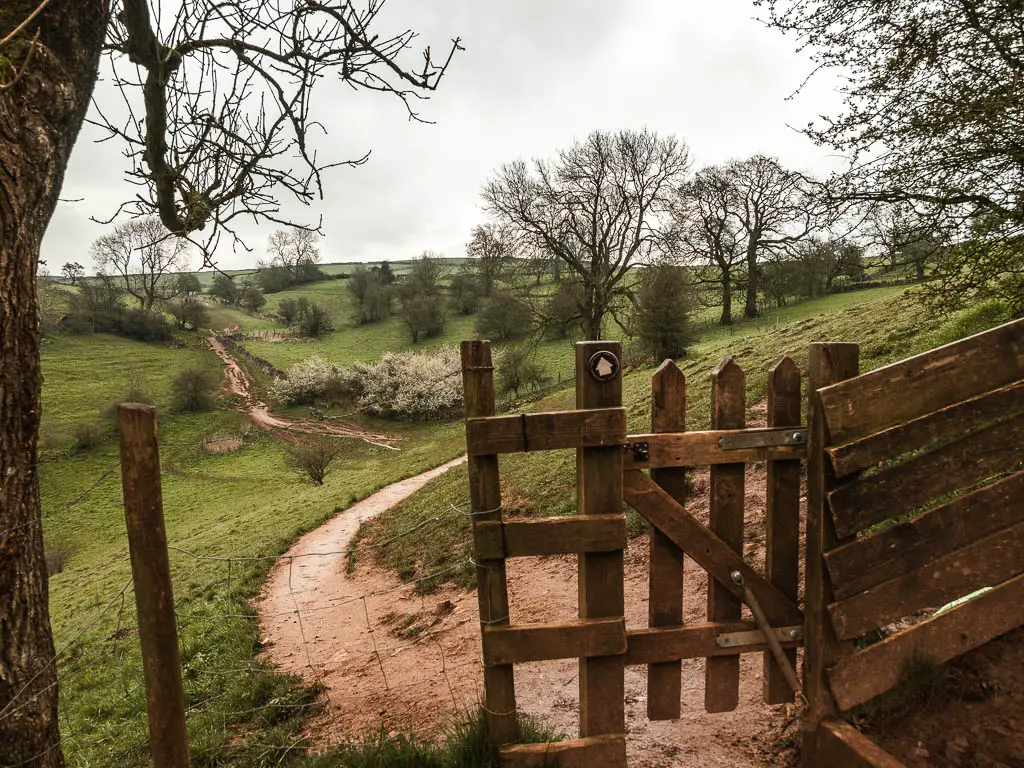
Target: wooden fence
942	432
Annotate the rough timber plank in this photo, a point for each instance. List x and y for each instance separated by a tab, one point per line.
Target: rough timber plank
840	745
695	449
600	579
546	431
869	561
591	752
665	579
485	504
862	676
550	536
707	550
991	560
959	464
782	508
545	642
941	425
728	411
826	364
911	388
695	641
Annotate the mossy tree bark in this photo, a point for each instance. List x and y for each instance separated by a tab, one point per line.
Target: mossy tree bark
43	101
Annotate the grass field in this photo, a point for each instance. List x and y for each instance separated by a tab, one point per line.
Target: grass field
236	504
887	325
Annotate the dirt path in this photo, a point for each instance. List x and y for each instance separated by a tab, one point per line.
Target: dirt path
236	382
390	657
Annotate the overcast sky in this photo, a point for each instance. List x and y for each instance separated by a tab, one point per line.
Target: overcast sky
535	76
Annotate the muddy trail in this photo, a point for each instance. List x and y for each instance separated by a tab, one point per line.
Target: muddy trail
393	658
237	382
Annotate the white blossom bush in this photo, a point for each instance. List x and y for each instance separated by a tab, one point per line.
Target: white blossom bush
403	385
411	385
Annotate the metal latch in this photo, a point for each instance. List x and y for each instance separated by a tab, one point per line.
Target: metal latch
763	439
754	636
641	450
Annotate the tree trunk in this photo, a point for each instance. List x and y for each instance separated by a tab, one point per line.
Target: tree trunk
40	116
750	308
726	298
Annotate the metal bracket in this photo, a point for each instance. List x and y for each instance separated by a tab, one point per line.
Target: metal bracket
641	450
756	636
763	438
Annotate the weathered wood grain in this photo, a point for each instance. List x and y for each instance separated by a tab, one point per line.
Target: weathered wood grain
656	645
545	642
862	676
827	364
695	449
959	464
871	560
981	564
728	411
550	536
590	752
941	425
665	575
918	385
782	525
545	431
705	548
485	505
840	745
600	579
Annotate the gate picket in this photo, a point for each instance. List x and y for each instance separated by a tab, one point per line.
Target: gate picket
665	578
728	411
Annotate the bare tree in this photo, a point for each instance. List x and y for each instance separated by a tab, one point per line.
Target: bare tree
72	271
599	207
493	251
705	232
216	123
294	251
146	258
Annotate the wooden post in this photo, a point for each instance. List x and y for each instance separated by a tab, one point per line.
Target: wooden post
664	680
728	411
828	364
782	547
599	492
151	574
485	505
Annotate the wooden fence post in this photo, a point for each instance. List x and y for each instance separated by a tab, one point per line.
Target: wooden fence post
151	574
485	505
728	411
828	364
664	680
782	507
601	589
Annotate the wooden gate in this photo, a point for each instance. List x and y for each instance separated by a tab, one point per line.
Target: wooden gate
915	499
611	469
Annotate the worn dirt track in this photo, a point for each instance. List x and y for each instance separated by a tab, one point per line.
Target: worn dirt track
237	382
388	656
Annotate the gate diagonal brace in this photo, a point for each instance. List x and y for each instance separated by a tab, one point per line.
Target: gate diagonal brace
770	637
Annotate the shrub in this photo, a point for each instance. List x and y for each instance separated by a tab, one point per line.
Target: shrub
252	298
423	315
315	322
87	436
664	299
225	289
143	325
192	391
517	370
189	313
504	317
288	309
311	459
370	295
312	381
465	292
